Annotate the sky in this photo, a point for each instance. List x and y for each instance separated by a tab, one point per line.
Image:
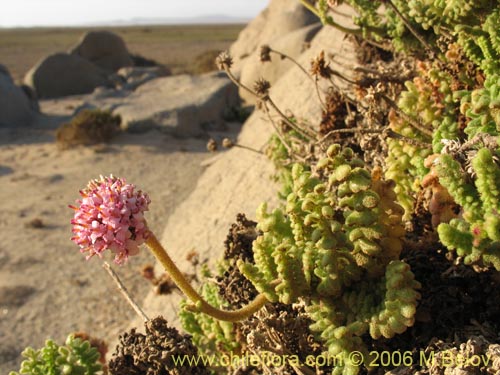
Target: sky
80	12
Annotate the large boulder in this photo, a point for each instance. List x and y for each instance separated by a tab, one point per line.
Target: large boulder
181	105
279	18
105	49
16	108
62	74
292	44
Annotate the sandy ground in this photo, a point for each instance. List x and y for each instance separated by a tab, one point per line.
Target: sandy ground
47	289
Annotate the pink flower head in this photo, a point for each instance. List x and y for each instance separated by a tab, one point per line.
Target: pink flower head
110	216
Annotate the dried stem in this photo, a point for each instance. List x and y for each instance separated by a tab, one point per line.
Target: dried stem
266	98
287	120
248	148
277	130
349	131
285	56
409	141
321	101
338	74
345	96
410	27
238	83
389	133
123	290
329	20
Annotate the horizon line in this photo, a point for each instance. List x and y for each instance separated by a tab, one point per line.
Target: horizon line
210	19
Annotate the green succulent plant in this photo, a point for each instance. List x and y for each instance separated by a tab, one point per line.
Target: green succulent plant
336	245
75	357
456	99
475	235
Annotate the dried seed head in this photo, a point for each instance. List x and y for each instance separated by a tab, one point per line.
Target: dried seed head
148	272
193	257
261	87
265	53
224	61
212	145
227	143
319	66
284	127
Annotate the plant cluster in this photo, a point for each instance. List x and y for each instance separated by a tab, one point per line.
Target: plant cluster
155	352
231	288
455	100
443	140
209	334
326	246
335	248
336	244
90	126
75	357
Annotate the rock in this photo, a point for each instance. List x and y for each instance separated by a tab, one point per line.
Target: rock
181	105
4	170
4	70
291	44
33	98
130	78
16	108
105	49
144	62
295	92
62	74
278	19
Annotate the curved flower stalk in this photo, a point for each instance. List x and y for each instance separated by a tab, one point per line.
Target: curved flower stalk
110	216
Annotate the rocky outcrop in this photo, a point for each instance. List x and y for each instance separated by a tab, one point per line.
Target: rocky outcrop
292	44
104	49
183	105
62	74
101	59
16	107
279	18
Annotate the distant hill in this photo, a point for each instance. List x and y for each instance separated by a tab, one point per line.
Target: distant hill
208	19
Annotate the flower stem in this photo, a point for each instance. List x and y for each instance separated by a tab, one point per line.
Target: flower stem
123	290
200	304
328	20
